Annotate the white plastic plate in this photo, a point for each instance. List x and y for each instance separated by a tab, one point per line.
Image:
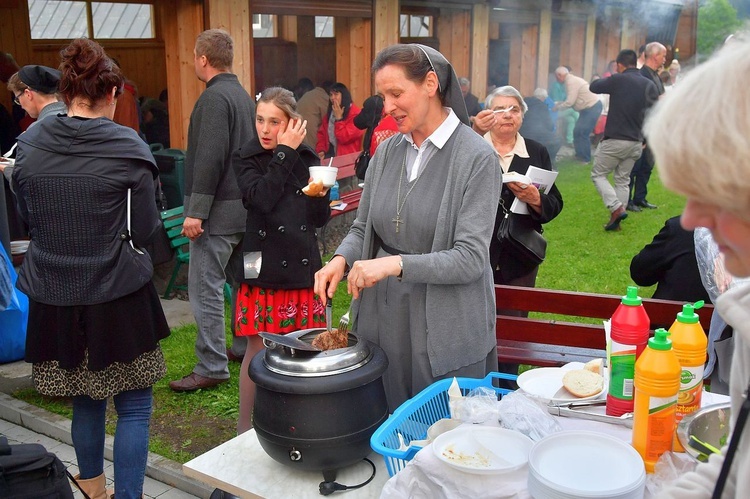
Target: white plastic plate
587	464
483	450
546	383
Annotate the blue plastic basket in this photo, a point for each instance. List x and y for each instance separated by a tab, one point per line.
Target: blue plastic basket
414	416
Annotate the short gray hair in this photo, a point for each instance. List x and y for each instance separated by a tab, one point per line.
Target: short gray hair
540	93
710	164
506	91
464	82
654	48
562	70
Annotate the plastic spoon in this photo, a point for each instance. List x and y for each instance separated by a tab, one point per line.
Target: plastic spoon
10	151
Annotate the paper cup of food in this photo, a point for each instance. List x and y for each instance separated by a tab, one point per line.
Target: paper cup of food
326	174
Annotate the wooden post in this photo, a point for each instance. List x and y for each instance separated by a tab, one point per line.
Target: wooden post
590	47
305	41
628	38
234	16
182	22
15	38
529	44
480	49
545	42
385	15
353	39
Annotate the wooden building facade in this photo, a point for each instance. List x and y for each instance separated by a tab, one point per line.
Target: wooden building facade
492	42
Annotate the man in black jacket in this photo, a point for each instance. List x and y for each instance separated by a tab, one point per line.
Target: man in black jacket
471	100
654	56
669	262
630	96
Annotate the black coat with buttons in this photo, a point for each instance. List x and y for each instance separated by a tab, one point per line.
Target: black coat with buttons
281	219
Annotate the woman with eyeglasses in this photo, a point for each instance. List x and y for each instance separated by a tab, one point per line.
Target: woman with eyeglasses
500	122
418	251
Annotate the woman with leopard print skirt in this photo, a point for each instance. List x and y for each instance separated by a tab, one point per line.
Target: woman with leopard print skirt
95	319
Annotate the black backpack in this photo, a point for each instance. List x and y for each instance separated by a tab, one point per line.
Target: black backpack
28	471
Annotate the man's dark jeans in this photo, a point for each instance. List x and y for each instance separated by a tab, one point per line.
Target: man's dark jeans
640	176
582	132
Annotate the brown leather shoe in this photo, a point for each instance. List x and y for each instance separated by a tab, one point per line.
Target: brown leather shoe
193	382
233	357
614	220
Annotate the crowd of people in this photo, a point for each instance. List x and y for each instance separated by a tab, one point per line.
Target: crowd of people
424	251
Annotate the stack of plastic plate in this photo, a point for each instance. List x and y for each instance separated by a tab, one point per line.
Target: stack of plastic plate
584	464
18	247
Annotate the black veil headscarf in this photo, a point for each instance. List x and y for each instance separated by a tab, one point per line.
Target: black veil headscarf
447	81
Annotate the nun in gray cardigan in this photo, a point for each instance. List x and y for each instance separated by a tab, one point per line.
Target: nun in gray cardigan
418	251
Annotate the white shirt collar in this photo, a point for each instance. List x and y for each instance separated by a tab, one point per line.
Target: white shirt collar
442	133
518	150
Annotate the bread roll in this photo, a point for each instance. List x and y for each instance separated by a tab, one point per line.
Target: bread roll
314	188
583	383
595	366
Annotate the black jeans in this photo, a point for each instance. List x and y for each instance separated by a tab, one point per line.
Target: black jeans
640	176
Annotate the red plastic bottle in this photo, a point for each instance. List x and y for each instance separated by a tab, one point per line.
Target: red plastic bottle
629	334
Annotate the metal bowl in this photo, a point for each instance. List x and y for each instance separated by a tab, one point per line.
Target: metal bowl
709	425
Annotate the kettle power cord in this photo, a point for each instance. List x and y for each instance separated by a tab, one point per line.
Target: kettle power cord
328	488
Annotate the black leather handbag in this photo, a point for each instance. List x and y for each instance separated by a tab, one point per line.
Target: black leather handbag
362	162
517	233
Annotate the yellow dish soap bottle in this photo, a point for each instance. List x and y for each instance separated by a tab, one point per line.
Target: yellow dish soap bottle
690	344
656	383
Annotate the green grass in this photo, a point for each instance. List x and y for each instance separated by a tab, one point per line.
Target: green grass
581	256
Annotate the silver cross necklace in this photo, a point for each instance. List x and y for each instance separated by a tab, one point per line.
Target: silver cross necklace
400	202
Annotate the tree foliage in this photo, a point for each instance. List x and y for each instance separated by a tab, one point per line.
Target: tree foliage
717	19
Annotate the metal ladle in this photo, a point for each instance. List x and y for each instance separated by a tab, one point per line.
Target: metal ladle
271	340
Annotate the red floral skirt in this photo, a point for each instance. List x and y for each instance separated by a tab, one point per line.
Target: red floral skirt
277	310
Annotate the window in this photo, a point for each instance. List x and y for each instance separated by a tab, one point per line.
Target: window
264	26
416	26
323	27
53	19
122	20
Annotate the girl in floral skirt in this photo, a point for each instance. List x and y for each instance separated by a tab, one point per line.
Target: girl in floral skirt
280	247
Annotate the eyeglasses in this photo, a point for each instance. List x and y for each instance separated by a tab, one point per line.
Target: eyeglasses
18	103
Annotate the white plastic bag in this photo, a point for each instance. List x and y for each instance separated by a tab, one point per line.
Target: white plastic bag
521	413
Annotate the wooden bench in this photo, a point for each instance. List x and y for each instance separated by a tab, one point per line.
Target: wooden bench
345	164
554	342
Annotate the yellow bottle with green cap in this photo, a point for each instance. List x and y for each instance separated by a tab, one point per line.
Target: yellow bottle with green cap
656	383
689	343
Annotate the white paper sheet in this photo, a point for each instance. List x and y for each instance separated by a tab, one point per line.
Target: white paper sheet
542	180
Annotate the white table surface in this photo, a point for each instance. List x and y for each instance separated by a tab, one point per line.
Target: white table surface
427	477
241	466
